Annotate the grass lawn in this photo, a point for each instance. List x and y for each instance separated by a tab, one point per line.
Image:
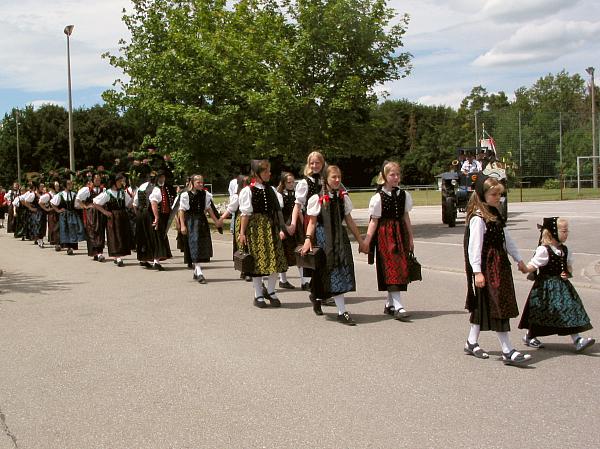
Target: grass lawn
360	200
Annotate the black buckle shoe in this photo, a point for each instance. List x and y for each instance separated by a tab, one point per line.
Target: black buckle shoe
389	310
159	267
306	286
273	299
260	304
201	279
316	305
345	318
286	285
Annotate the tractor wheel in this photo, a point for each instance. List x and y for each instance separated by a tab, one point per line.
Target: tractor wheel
444	217
451	212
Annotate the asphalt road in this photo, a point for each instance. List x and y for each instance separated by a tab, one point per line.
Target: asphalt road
95	356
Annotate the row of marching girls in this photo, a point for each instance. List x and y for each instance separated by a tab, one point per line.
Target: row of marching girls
318	207
553	305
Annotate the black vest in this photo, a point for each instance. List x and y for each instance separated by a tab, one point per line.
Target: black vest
392	206
556	264
197	202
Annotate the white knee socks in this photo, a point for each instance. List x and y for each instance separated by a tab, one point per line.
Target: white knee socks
474	333
340	302
258	286
504	341
197	269
394	299
283	277
271	280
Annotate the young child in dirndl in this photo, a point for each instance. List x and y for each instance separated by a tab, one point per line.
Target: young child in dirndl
390	235
261	231
334	275
491	297
553	305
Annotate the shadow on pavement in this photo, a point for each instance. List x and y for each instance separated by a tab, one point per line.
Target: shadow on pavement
18	282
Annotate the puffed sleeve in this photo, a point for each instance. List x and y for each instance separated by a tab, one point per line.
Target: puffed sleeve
45	198
56	199
408	202
511	246
476	234
155	196
348	206
246	201
301	192
234	203
83	194
314	207
375	206
101	199
540	258
184	201
208	200
28	197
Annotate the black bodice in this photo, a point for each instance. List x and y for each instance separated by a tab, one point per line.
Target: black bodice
392	206
116	202
67	200
556	264
261	202
197	202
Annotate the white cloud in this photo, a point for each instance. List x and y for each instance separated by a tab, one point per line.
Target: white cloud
451	99
39	103
524	10
534	43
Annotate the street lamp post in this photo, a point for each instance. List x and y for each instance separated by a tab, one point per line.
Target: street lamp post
68	30
18	148
590	71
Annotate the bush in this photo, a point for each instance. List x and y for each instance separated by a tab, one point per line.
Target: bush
550	184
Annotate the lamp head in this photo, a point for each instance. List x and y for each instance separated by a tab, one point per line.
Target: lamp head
69	29
590	71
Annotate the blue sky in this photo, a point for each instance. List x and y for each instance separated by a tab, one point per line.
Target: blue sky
457	44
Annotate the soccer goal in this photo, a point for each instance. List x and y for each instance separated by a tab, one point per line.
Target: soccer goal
579	158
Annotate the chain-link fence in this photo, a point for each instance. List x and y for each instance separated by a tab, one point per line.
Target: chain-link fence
541	148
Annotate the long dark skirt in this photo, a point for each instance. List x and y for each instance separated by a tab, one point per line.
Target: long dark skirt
95	230
21	219
71	229
199	241
10	225
132	223
183	246
118	234
290	243
391	260
53	228
37	224
553	307
328	281
152	243
481	315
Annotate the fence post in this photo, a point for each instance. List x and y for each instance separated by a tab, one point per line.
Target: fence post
520	160
561	177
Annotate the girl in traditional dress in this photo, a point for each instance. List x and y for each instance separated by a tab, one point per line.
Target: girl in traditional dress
490	289
390	235
193	206
71	226
10	197
553	305
261	231
334	275
308	186
37	217
21	216
3	206
51	215
113	204
287	190
93	219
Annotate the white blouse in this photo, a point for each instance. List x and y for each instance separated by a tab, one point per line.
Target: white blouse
477	231
245	198
302	191
375	203
104	197
64	194
184	201
45	198
28	197
234	204
314	206
541	256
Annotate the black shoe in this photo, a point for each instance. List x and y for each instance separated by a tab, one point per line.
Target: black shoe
287	285
96	258
389	310
57	248
306	286
189	265
159	267
195	276
401	314
328	302
248	278
273	300
260	304
120	263
265	293
201	279
145	264
70	251
316	305
345	318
